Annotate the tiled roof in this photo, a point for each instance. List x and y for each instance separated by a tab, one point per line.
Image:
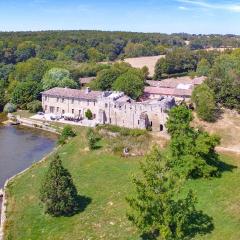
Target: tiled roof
168	91
174	82
72	93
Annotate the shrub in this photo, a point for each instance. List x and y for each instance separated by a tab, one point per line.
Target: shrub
34	106
124	131
66	133
92	139
9	108
88	114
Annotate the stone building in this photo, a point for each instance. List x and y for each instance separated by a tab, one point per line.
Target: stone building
108	107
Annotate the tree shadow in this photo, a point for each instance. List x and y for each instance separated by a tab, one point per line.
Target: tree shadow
197	223
81	204
220	165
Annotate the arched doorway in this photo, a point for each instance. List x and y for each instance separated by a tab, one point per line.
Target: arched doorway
161	127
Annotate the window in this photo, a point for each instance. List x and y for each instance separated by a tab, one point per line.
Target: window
138	122
88	102
57	99
51	109
72	111
46	98
45	108
110	120
62	100
94	103
106	105
63	111
57	109
72	101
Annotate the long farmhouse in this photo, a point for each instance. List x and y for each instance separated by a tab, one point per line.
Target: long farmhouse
108	107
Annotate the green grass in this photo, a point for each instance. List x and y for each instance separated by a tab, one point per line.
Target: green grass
105	178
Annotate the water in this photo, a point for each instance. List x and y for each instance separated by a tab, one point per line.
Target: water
20	147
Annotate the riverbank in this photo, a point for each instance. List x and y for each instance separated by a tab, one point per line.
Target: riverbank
4	200
30	145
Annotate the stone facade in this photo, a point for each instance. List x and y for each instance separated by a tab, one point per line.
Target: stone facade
108	107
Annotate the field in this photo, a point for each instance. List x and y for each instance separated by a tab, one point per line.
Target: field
103	178
227	127
140	62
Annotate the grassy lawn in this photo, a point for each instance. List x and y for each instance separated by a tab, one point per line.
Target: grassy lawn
104	178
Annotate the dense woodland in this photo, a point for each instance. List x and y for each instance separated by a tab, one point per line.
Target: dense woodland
31	62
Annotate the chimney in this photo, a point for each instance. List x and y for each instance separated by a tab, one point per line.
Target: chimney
87	90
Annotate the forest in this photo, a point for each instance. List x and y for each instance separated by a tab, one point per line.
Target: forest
31	62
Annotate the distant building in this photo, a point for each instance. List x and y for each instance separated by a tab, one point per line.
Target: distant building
108	107
181	88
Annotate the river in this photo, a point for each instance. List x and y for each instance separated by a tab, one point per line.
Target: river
20	147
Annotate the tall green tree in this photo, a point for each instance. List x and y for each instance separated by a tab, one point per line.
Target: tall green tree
131	83
2	95
25	92
192	151
203	67
58	193
158	209
224	80
204	100
58	77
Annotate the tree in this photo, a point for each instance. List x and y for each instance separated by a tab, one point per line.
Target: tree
66	133
158	209
25	50
58	77
203	67
161	67
2	94
88	114
25	92
131	83
106	78
92	139
192	151
31	70
224	80
9	108
34	106
204	100
58	193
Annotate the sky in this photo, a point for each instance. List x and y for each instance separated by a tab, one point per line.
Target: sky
165	16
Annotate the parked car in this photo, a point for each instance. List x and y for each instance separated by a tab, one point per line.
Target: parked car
40	113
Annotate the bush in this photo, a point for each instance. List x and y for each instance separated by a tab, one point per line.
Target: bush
92	139
88	114
9	108
124	131
34	106
66	133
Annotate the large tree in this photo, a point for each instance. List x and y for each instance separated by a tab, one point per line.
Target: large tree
204	100
131	83
25	92
58	77
192	151
58	193
158	209
224	80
